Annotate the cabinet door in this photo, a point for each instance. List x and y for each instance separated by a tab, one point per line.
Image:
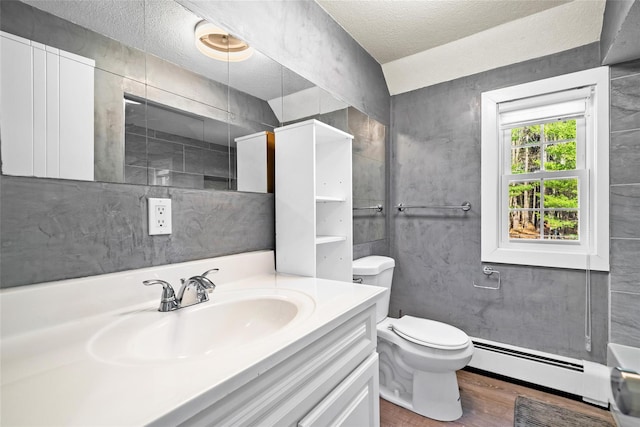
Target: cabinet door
16	106
47	110
355	402
251	161
76	117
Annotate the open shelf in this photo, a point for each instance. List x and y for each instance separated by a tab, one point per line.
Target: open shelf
314	231
321	240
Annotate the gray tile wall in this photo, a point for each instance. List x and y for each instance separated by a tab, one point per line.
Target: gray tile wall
625	204
160	158
436	160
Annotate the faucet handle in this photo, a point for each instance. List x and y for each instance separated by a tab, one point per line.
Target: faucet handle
213	270
168	300
208	284
166	286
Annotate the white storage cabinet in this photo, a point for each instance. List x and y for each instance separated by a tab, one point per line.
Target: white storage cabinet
47	110
314	231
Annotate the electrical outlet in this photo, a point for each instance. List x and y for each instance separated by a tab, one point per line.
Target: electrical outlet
159	216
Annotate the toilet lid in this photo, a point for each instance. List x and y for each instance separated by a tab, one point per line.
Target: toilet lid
430	333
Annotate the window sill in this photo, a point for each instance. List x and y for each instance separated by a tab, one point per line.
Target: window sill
542	258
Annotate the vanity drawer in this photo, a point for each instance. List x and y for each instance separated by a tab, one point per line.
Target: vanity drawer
355	402
287	392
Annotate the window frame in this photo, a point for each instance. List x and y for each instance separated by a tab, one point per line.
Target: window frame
593	253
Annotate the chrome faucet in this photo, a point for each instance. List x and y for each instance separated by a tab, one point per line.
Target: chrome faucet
194	290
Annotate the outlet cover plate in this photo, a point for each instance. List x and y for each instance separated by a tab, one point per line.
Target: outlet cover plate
159	216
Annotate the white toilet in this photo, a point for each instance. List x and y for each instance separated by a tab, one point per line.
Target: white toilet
418	357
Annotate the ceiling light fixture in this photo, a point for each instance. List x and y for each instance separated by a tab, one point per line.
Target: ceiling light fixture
218	44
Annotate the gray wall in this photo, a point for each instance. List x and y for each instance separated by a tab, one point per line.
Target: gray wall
436	160
625	204
57	229
369	157
620	31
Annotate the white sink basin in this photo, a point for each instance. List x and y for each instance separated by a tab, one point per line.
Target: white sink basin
232	319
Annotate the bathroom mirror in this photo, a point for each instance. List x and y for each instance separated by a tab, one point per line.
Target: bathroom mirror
163	113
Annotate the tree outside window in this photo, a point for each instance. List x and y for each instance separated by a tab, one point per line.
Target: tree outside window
544	208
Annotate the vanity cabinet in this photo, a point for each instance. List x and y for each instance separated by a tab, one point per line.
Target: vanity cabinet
237	360
314	232
333	381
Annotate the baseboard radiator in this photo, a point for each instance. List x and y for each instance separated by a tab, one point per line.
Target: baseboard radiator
579	377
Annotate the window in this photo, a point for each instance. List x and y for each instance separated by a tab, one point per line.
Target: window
545	172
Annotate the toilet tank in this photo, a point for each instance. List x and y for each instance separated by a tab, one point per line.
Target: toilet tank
376	271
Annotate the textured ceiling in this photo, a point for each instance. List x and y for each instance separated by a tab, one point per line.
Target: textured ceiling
393	29
418	43
559	29
122	20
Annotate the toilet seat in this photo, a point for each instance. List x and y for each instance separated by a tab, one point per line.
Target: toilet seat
430	333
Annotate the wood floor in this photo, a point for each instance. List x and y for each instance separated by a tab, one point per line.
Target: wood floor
486	402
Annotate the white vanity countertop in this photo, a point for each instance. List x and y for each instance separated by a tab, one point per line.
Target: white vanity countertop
50	377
